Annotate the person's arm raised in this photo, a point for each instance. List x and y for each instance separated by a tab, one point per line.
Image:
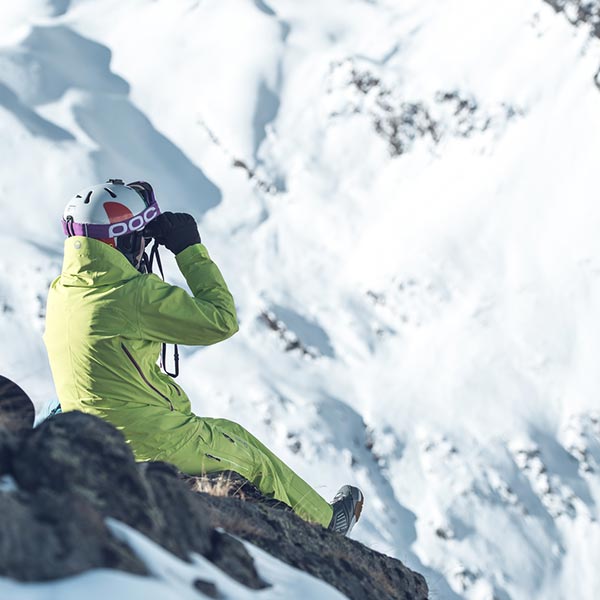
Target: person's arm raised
167	313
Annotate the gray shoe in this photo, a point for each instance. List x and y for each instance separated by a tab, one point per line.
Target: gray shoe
347	506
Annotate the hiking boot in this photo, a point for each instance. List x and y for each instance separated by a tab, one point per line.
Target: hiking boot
347	506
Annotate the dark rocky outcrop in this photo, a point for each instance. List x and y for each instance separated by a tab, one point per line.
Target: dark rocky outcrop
354	88
16	410
61	480
581	13
352	568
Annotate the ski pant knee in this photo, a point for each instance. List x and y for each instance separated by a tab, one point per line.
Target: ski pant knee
220	445
223	445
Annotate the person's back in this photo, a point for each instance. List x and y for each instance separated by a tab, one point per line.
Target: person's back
102	340
107	319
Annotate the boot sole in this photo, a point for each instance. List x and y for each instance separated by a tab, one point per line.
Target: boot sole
357	510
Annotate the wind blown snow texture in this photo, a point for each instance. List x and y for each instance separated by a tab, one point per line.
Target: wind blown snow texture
402	197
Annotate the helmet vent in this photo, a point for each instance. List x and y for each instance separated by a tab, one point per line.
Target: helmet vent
88	198
78	196
113	195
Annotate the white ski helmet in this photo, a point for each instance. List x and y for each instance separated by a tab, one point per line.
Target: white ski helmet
114	213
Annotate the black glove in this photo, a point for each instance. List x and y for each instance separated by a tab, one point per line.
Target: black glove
176	231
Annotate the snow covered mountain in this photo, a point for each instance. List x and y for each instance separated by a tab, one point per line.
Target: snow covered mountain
402	198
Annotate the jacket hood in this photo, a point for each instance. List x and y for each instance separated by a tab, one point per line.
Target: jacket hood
90	262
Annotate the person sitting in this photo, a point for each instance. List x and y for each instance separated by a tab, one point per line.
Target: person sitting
107	318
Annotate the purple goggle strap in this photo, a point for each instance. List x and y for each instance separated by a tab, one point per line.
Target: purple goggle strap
136	223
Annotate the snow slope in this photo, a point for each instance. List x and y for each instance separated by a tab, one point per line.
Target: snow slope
401	197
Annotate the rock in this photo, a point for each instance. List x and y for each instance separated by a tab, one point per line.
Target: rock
8	445
207	588
88	457
83	461
75	470
46	537
187	529
351	567
16	409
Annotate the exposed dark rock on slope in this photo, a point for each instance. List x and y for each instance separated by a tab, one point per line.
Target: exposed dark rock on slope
581	13
356	89
73	471
61	480
354	569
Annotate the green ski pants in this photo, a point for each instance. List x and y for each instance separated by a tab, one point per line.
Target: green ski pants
223	445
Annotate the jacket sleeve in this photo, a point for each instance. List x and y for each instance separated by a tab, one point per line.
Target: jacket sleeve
167	313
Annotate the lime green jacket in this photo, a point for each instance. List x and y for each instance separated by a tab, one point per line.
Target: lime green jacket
105	323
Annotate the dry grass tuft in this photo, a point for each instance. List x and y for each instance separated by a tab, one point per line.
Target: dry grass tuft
222	484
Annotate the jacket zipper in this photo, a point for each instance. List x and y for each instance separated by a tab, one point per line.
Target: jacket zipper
139	370
176	387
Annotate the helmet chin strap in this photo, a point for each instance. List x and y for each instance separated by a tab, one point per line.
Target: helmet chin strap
140	258
131	246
